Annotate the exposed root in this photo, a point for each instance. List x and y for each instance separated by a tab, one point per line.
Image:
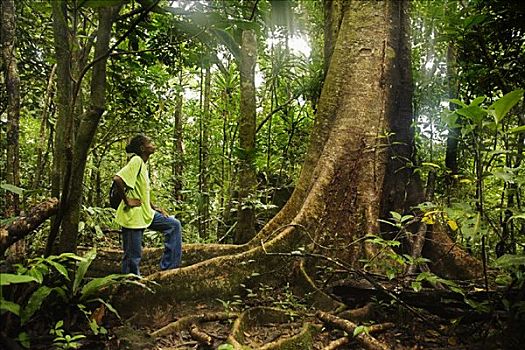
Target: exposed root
381	327
314	296
189	321
361	314
417	242
334	344
345	340
364	339
448	259
259	316
219	277
200	336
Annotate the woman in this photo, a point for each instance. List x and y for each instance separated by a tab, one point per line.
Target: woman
136	213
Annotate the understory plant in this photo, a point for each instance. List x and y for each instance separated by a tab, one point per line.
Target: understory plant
56	291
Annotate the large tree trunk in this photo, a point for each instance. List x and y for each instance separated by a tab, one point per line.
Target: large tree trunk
338	198
247	174
12	80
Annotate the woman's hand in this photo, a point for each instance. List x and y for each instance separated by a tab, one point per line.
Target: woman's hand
163	212
133	202
160	210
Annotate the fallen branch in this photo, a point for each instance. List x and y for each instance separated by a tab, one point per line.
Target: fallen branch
24	225
364	339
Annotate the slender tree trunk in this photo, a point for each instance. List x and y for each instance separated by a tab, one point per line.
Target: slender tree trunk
86	132
12	80
204	205
247	173
41	159
451	161
226	162
177	150
63	101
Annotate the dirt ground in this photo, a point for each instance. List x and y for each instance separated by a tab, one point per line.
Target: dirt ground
409	330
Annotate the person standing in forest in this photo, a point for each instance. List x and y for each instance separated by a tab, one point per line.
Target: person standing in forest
135	212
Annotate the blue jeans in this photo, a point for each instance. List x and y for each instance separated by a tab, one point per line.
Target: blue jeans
132	244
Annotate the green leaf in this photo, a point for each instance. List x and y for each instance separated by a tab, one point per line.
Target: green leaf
416	286
458	102
504	175
94	286
9	278
510	260
474	113
24	340
82	268
225	347
109	306
37	273
516	130
396	216
228	41
34	303
359	330
12	188
433	165
60	268
503	105
477	101
9	306
517	216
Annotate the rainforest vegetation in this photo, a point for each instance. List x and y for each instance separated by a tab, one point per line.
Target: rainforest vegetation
348	174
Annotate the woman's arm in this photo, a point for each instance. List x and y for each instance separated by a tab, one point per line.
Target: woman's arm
121	190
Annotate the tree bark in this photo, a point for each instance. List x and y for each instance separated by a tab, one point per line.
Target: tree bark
204	149
63	101
24	225
12	80
451	161
177	150
247	183
41	155
333	15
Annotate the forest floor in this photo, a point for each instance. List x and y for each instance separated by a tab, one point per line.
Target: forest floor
404	329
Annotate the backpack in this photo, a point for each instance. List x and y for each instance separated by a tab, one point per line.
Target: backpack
114	197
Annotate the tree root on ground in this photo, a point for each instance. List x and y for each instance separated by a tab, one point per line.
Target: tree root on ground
360	314
260	316
189	321
364	339
335	344
448	258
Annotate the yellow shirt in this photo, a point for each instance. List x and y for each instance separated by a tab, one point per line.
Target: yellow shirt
136	187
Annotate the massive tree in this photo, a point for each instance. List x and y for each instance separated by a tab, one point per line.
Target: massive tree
355	171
